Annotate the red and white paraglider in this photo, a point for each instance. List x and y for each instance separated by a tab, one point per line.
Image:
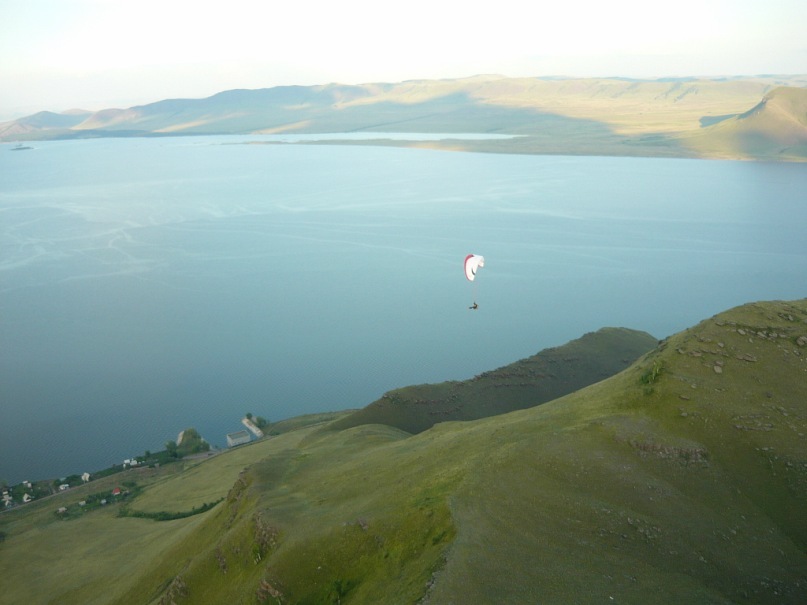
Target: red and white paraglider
473	262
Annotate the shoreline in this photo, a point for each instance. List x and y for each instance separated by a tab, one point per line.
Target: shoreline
676	145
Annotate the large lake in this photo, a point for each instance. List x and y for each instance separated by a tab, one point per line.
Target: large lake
149	285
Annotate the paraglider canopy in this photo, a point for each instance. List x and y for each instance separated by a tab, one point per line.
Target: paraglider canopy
472	263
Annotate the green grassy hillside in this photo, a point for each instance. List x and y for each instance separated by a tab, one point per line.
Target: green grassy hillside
682	479
547	375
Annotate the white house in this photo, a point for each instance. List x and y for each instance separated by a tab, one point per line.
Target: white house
26	498
237	438
85	477
64	487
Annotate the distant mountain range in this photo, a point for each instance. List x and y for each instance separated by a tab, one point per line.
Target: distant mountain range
761	117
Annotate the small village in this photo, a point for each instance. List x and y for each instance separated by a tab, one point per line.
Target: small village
189	444
28	491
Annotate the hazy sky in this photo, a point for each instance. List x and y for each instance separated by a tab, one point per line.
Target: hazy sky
92	54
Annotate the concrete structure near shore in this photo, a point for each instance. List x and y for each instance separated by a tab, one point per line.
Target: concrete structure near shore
238	438
247	422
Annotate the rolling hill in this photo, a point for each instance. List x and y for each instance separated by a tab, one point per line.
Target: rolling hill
547	375
675	117
33	126
777	125
681	479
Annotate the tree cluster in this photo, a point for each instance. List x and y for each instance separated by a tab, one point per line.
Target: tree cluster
192	443
258	421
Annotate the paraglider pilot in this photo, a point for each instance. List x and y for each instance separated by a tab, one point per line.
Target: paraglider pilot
472	264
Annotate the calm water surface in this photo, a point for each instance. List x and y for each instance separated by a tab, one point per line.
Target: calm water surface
148	285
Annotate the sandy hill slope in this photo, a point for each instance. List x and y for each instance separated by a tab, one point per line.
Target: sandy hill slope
775	128
547	375
233	111
681	479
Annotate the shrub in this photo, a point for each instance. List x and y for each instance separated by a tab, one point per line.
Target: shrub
651	375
